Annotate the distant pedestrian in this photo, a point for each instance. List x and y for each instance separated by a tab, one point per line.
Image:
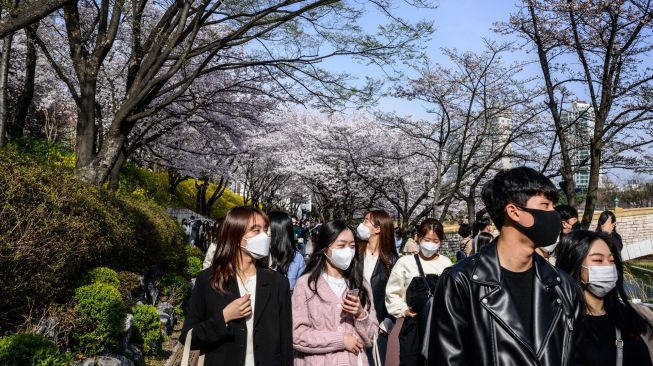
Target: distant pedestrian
284	256
608	224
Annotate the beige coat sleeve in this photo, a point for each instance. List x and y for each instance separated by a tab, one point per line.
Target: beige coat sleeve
208	259
395	291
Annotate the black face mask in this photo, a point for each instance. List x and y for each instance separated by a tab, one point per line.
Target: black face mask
546	226
575	226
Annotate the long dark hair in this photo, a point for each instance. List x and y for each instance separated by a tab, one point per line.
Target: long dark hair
572	251
387	248
230	234
282	246
605	216
317	262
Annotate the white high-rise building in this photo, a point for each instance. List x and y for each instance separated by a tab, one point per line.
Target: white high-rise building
580	118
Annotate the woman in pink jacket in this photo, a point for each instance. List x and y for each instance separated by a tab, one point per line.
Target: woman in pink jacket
333	316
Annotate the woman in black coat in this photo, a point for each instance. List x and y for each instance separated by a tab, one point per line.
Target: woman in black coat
380	254
240	314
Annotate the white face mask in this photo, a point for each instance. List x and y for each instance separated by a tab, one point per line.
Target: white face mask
428	248
258	246
363	231
341	258
601	279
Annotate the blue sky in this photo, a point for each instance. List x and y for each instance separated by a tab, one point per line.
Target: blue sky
459	24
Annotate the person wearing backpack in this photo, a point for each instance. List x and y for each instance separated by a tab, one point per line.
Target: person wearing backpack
417	273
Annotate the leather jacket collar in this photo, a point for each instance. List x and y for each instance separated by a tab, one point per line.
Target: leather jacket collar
547	303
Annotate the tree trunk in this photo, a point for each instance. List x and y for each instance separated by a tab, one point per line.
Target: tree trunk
200	201
215	196
174	179
593	186
85	149
4	76
25	100
471	209
114	176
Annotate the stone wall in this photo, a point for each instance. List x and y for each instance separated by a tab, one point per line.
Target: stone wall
635	227
636	233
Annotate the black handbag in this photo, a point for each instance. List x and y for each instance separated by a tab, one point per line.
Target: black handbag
419	292
420	289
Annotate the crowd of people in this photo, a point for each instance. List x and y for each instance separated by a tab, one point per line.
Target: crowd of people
529	288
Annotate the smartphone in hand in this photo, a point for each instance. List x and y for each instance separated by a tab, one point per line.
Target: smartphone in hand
353	292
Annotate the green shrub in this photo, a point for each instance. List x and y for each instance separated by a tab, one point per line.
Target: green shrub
30	350
194	266
54	228
193	251
102	320
102	275
129	282
148	328
174	287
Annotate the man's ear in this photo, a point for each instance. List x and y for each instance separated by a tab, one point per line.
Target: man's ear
512	212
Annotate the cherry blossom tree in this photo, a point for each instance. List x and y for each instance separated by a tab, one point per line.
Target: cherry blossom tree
164	49
481	110
597	47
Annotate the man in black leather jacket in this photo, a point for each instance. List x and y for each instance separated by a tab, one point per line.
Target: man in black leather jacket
506	305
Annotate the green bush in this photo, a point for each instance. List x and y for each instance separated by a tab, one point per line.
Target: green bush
54	228
148	328
193	251
102	320
30	350
194	266
129	282
102	275
175	288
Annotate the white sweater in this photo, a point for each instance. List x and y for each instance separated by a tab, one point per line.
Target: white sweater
402	273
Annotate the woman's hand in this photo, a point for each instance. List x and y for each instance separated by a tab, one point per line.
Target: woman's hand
410	314
352	305
353	344
239	308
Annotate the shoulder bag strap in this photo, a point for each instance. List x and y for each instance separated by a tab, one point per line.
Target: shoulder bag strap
421	273
620	348
186	356
419	266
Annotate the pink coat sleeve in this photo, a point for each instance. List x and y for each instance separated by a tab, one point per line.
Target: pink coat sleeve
368	326
306	339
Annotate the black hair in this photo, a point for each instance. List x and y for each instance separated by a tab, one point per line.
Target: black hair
566	212
282	241
482	221
464	230
516	186
483	239
603	218
572	251
317	261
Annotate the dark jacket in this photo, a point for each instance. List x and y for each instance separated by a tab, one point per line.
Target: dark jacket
379	281
225	344
475	321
